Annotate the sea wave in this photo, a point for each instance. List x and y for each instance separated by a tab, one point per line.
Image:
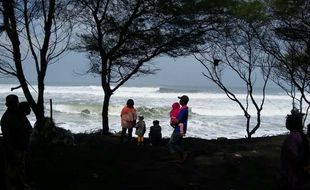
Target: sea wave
212	114
176	90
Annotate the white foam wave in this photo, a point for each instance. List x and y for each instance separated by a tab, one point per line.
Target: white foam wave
212	114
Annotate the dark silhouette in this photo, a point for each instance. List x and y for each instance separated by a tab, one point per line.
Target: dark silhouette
25	110
128	119
155	135
295	154
175	142
15	142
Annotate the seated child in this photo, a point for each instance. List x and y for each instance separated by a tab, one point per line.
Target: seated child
173	116
155	133
140	130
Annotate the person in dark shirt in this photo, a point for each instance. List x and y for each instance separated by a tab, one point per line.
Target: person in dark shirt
180	129
25	110
155	135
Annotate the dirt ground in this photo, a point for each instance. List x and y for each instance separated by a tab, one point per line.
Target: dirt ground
102	162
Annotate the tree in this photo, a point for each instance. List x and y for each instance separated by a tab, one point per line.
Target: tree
122	36
240	52
35	34
289	43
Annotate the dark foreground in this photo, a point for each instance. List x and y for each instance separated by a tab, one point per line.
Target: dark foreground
101	162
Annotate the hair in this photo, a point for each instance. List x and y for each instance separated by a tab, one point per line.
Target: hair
155	122
130	103
183	100
24	107
294	122
11	100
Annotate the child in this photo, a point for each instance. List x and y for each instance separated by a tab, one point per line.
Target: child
140	130
155	133
173	117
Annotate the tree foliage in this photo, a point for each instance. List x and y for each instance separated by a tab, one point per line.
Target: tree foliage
240	52
289	43
34	34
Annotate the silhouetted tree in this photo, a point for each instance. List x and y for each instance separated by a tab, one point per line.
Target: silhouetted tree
239	51
35	34
122	36
289	43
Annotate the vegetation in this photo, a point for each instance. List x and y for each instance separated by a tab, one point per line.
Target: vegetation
239	51
34	35
271	36
290	46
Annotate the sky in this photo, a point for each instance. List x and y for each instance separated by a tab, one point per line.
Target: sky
173	72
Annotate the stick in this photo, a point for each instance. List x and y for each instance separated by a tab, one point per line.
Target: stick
51	110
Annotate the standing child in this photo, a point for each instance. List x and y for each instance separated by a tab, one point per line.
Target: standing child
173	116
140	130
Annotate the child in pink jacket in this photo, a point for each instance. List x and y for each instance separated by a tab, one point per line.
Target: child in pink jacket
175	108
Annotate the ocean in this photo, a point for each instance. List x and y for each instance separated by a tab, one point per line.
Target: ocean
212	114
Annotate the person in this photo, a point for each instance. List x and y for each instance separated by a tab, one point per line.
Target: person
140	130
25	110
175	109
128	119
295	154
175	142
155	133
13	130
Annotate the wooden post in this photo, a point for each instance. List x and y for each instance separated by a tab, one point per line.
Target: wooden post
51	110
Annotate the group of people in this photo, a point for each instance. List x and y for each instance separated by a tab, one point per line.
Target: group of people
16	130
295	154
128	122
178	120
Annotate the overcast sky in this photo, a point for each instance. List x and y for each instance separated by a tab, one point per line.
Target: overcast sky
185	71
181	71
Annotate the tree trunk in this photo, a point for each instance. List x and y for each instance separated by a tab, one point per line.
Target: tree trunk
105	112
40	103
258	122
248	120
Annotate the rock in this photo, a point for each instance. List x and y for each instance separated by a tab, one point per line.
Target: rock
221	138
85	111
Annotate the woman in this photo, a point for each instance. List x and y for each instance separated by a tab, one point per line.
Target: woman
128	119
